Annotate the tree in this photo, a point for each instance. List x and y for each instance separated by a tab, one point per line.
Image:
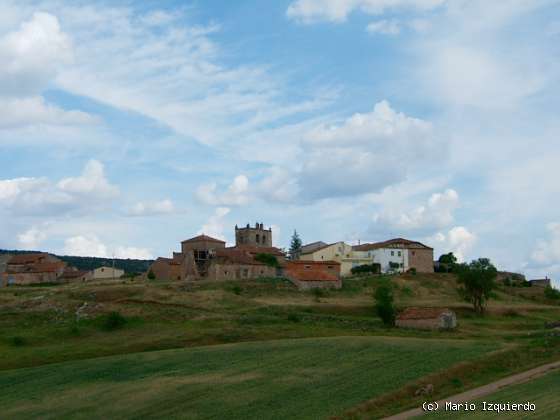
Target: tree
151	275
477	281
384	304
295	246
447	262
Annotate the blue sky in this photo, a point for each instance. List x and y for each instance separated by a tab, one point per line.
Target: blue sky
126	127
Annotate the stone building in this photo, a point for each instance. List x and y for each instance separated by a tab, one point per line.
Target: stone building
340	252
32	268
313	274
254	236
540	282
402	253
427	319
207	258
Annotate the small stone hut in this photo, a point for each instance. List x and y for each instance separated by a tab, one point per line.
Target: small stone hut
427	319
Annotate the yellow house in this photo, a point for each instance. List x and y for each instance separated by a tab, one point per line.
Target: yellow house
339	252
104	272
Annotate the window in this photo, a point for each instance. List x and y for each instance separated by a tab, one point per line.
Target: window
102	270
413	253
245	272
258	238
322	257
399	253
264	239
402	265
392	253
307	267
329	267
339	249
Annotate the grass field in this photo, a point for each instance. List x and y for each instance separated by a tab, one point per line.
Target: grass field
543	392
225	333
304	378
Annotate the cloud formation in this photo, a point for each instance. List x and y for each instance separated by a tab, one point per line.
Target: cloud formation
236	194
311	11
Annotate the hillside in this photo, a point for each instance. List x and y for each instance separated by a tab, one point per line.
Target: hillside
89	263
72	324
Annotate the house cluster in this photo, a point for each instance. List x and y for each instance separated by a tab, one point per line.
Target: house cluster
319	265
253	256
40	267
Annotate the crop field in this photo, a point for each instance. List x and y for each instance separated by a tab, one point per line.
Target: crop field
303	378
543	392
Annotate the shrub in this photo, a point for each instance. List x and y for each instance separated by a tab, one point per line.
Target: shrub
267	259
294	317
151	275
237	289
18	341
412	271
114	321
384	304
373	268
551	293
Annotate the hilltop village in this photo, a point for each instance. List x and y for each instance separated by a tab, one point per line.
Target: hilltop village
203	258
317	265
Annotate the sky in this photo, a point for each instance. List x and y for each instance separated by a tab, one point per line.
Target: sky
128	126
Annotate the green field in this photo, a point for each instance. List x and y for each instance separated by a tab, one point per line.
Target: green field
254	348
543	392
304	378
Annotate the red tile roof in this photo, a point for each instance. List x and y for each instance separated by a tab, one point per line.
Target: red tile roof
422	313
313	262
259	249
404	243
236	256
312	275
27	258
201	238
48	267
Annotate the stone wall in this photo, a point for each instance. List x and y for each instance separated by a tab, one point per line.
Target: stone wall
422	259
253	236
227	271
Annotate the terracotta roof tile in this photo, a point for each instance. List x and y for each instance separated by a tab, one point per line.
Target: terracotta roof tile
406	243
422	313
200	238
27	258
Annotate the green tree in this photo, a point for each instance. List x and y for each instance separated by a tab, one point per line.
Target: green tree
295	246
447	262
151	275
477	280
384	304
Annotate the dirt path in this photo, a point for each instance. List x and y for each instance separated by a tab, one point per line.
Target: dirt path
475	393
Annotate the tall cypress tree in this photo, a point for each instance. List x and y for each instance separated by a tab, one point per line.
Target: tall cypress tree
295	246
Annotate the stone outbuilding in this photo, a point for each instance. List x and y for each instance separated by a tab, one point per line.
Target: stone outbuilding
427	319
32	268
313	274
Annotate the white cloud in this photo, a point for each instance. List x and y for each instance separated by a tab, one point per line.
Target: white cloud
365	153
31	238
133	253
85	246
32	55
215	225
92	246
40	196
487	78
17	112
279	185
437	213
384	27
92	182
309	11
547	252
179	78
236	193
457	240
152	208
